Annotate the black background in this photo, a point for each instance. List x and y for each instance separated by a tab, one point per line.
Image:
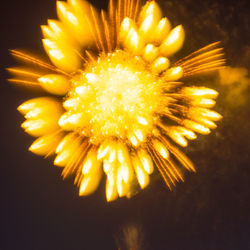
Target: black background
210	210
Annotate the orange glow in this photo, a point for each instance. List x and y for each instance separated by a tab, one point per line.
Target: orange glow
115	88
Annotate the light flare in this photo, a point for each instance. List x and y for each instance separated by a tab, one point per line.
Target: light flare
120	103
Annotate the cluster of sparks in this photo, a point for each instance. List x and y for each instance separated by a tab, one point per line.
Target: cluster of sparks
120	104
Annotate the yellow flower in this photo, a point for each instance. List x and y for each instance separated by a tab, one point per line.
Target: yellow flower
120	104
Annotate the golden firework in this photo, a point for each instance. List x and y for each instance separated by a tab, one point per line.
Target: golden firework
120	103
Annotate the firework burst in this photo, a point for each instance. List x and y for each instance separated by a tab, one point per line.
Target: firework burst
120	103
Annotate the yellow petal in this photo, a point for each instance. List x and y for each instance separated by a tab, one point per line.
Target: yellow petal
149	18
204	121
42	115
200	92
42	103
150	52
161	149
103	150
142	120
112	156
63	157
146	161
203	102
47	32
196	127
61	34
61	55
187	133
173	42
210	114
130	37
65	142
162	30
71	103
111	187
121	185
68	154
45	144
126	171
139	134
126	25
55	84
41	107
141	174
90	183
133	139
39	127
161	64
91	164
122	153
71	121
75	18
177	137
173	74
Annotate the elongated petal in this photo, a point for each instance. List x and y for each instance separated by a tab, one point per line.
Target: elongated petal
43	104
150	52
130	37
126	25
173	42
189	134
47	32
162	30
61	55
161	149
141	174
203	102
146	161
65	142
126	172
177	137
39	127
173	74
55	84
63	157
103	150
68	153
196	127
161	64
149	19
42	115
72	103
121	185
45	144
111	187
200	92
91	164
210	114
76	18
70	121
90	183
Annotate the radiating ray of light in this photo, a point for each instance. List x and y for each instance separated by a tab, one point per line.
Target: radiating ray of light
121	104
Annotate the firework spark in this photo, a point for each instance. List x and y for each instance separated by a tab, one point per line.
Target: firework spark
120	103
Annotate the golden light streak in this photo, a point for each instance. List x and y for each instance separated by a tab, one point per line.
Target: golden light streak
36	61
24	82
120	101
23	72
208	58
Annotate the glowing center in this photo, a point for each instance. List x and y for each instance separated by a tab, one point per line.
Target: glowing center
115	96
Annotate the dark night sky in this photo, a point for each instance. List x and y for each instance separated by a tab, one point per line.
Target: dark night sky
210	210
